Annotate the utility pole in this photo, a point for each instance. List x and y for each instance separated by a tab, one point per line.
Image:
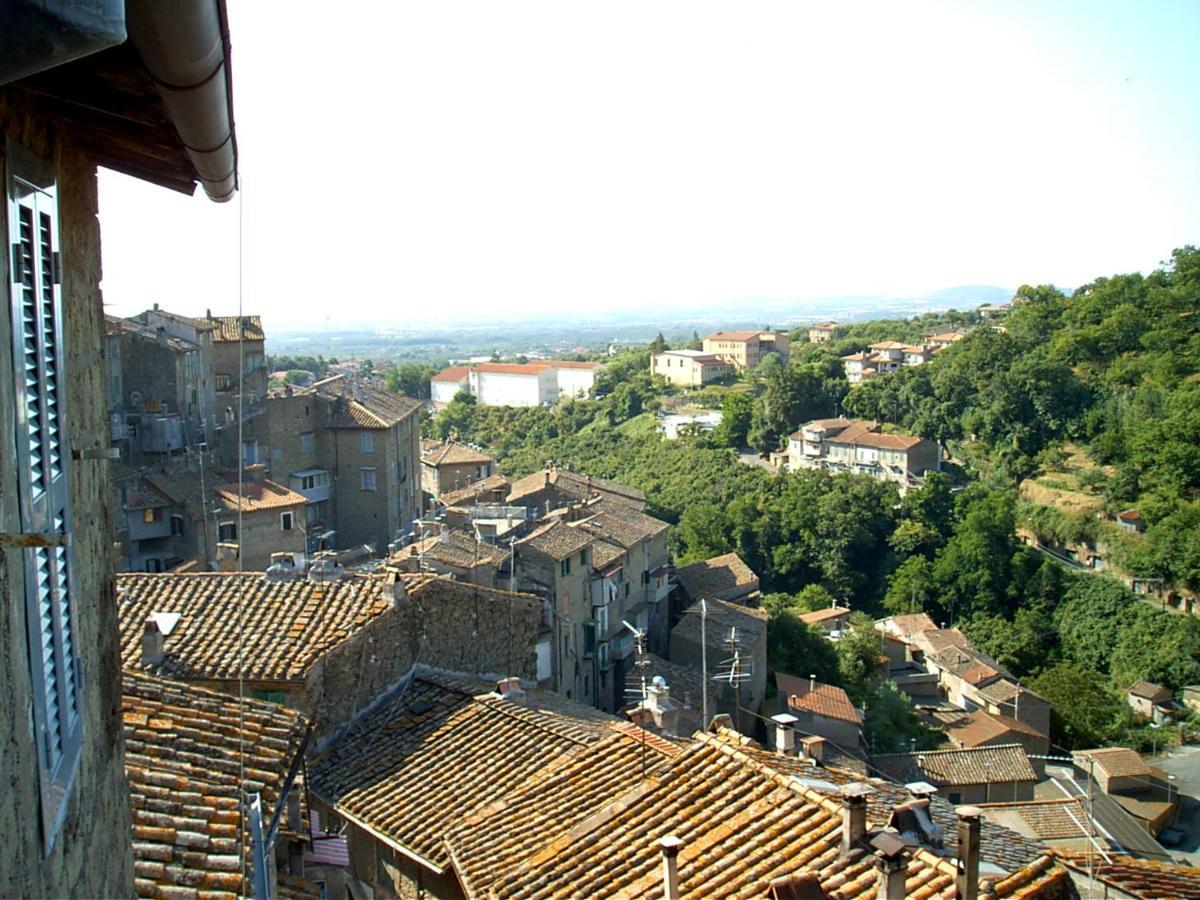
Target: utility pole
704	663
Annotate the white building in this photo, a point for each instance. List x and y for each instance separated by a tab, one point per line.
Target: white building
689	367
575	379
445	384
510	384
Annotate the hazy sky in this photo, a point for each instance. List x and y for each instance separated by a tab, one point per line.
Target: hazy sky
411	161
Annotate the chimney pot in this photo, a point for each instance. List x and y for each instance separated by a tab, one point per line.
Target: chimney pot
153	650
508	687
854	814
968	851
785	733
812	683
814	747
670	851
892	865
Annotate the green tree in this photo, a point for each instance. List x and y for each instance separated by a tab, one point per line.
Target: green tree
891	725
696	343
1085	710
911	588
409	379
659	344
858	652
797	649
737	412
458	418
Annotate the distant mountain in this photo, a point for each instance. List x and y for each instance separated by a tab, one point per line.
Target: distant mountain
968	296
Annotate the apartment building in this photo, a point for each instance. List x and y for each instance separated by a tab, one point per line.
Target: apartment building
689	368
239	362
845	445
822	332
745	349
448	384
353	453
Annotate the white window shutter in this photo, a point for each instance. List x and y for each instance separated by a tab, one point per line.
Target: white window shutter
42	474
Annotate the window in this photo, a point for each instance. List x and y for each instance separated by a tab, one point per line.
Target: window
249	452
366	442
285	521
583	557
368	479
602	621
564	567
43	459
227	531
177	525
270	696
150	516
308	442
627	589
221	382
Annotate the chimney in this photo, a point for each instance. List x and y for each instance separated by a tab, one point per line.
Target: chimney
814	747
920	790
670	850
664	710
812	683
785	734
156	307
444	534
255	472
399	590
891	864
854	813
968	852
208	314
152	644
508	687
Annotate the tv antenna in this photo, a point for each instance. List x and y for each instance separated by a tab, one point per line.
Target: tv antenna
637	684
735	671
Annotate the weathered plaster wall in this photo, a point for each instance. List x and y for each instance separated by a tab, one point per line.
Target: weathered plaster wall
91	856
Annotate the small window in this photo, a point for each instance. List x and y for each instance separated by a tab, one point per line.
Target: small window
285	521
368	479
177	525
308	442
270	696
221	382
366	442
627	589
955	798
227	531
583	557
564	567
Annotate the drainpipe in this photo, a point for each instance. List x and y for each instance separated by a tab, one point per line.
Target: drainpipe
182	43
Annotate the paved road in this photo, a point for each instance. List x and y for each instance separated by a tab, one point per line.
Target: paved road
753	459
1184	764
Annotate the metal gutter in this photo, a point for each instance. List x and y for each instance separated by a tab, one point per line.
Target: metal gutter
184	45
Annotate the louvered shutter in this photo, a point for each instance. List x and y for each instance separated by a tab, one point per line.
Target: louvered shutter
42	456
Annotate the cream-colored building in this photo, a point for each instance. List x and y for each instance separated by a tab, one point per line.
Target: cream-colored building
746	349
855	446
689	367
822	332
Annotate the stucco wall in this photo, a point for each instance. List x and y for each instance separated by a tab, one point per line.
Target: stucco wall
91	856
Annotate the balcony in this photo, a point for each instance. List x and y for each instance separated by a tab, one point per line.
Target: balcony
317	481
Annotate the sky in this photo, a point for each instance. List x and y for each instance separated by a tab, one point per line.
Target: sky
441	162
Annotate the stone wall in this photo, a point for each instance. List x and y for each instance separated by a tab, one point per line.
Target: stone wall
261	535
91	855
444	625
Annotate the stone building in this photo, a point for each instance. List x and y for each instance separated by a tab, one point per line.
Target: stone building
75	95
450	467
326	648
239	361
352	451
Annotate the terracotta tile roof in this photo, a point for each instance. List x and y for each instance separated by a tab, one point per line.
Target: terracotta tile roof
825	700
1155	693
200	324
145	495
1060	819
733	336
288	625
887	345
823	615
410	768
468	494
622	525
979	765
750	622
182	761
744	822
488	841
1145	879
981	727
458	549
256	495
722	576
453	373
228	331
357	405
556	540
531	369
1002	847
572	364
884	441
454	453
572	486
1115	762
906	627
